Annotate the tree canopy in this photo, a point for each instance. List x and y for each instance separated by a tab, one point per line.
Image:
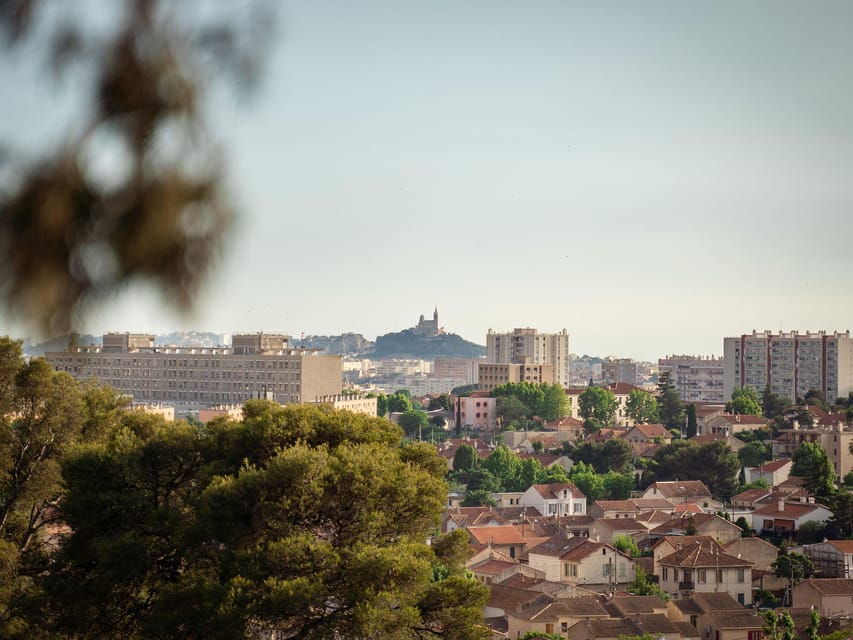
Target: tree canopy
714	463
298	519
521	401
810	461
669	403
642	407
597	406
745	401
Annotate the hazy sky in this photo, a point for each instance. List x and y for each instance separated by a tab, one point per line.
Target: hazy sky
651	176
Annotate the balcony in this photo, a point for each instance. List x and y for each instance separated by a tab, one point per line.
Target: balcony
686	585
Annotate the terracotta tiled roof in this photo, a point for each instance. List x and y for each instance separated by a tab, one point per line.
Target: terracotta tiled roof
617	505
687	508
718	601
681	489
687	630
512	598
622	524
624	389
653	430
575	548
630	605
681	542
550	491
744	619
792	510
503	534
492	567
706	556
770	467
652	503
680	523
742	418
568	421
832	586
844	546
751	495
564	607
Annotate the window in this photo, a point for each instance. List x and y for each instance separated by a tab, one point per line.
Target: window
719	576
740	598
605	571
665	573
740	575
701	576
564	627
621	569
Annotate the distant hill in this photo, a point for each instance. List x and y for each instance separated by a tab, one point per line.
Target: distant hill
349	344
407	344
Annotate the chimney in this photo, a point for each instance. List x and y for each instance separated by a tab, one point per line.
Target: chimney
780	506
796	425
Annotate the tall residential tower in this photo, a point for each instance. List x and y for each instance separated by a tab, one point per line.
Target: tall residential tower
531	347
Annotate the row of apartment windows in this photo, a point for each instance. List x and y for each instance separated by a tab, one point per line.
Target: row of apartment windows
702	574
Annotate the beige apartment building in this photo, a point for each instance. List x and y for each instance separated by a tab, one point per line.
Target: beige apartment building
528	345
257	365
697	378
494	375
790	363
354	403
465	369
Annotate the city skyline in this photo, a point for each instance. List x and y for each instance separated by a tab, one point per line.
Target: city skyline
653	177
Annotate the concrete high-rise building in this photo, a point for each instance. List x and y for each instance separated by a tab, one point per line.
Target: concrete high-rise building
529	346
258	365
697	378
615	370
790	364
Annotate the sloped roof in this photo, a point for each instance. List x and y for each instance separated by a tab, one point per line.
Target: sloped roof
740	418
771	467
832	586
687	630
744	619
492	567
680	542
792	510
563	607
652	503
653	430
630	605
844	546
512	598
680	523
751	495
554	491
617	505
716	601
622	524
573	549
624	389
500	534
681	489
702	555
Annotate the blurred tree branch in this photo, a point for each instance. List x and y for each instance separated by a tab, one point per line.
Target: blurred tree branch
72	233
